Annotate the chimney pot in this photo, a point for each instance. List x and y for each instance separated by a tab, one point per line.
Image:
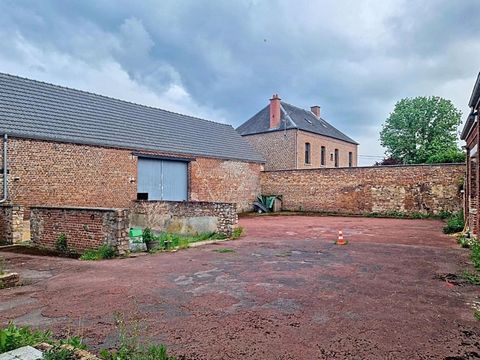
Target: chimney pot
275	113
315	110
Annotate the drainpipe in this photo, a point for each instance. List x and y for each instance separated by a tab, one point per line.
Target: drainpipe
5	171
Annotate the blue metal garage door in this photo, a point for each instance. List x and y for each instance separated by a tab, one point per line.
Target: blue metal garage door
162	179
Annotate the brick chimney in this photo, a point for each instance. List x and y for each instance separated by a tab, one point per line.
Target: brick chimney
275	114
315	109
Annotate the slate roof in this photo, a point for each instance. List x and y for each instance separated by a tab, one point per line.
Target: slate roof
34	109
292	117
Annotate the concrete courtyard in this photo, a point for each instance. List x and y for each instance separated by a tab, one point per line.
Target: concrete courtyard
283	291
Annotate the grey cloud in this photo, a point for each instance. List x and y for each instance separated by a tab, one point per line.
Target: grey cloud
354	58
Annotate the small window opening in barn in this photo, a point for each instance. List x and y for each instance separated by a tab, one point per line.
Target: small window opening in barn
336	157
307	153
350	159
142	196
322	155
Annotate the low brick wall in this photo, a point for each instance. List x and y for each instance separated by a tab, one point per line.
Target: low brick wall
184	217
427	189
11	224
84	228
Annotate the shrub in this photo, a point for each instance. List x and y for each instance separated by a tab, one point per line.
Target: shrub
148	235
104	252
444	214
455	223
61	244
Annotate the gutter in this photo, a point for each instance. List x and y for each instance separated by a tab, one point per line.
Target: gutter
5	171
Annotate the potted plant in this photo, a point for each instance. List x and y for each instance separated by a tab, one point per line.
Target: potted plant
149	239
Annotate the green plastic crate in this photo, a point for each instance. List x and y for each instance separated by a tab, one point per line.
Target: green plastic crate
135	232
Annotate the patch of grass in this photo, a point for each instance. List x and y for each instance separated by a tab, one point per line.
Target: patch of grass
13	337
475	255
476	314
169	241
466	241
2	266
237	232
102	253
455	223
59	353
129	344
400	215
152	352
224	250
471	278
284	254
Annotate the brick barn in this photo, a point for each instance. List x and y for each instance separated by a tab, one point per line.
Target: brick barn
290	138
67	147
471	134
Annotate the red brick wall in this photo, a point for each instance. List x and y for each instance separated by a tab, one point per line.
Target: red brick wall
84	228
62	174
48	173
225	181
421	188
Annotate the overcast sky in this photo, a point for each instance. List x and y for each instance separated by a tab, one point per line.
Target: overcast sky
222	60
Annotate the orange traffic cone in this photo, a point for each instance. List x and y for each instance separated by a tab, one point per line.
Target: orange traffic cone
341	240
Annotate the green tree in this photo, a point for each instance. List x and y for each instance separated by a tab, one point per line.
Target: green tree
422	130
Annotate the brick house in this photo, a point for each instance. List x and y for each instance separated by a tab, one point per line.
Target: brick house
470	134
67	147
289	137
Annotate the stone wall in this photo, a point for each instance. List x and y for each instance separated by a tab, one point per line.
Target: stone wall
427	189
11	224
184	217
45	173
84	228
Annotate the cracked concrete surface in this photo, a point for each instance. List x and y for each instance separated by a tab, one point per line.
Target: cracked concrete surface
286	292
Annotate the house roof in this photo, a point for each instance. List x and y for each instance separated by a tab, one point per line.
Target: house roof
34	109
292	117
471	103
475	93
468	125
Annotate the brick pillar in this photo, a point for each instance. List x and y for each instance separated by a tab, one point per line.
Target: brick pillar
121	231
11	224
